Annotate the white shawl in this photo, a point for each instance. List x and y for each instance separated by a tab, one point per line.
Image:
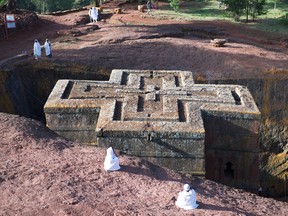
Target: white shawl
111	162
187	199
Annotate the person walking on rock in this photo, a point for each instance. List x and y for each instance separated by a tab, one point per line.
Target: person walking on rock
48	48
94	14
149	7
37	49
90	14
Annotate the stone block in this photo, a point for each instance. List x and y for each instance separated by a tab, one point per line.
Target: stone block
117	11
164	117
141	8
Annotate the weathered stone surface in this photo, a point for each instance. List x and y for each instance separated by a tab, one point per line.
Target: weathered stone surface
164	117
218	42
117	11
141	8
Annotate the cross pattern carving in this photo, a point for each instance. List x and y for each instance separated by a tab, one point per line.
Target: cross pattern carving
158	101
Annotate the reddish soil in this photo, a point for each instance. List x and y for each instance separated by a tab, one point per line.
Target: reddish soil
44	174
135	40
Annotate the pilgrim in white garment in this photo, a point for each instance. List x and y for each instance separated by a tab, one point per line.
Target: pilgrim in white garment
111	162
187	198
90	14
37	49
48	48
94	14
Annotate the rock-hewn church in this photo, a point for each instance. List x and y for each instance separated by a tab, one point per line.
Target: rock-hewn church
164	117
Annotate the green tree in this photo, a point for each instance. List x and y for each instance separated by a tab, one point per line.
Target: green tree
174	4
249	7
80	3
256	8
96	3
57	5
235	7
26	4
9	4
2	2
44	6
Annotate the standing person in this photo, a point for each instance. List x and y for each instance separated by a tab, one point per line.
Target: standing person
99	15
149	7
94	14
90	14
187	198
37	49
48	48
268	192
260	191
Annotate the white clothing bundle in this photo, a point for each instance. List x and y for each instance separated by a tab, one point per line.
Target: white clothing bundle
187	198
111	162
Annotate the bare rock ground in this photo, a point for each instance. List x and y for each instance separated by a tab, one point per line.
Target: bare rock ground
44	174
134	40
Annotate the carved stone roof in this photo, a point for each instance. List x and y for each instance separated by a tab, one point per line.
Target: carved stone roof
168	103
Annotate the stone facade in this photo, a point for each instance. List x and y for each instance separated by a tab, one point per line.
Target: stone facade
164	117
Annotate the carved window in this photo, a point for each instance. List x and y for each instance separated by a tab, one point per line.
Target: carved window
229	170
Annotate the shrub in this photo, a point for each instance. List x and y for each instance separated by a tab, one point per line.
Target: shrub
284	19
2	2
174	4
255	8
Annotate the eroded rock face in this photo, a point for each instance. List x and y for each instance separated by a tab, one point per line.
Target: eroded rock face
40	78
165	117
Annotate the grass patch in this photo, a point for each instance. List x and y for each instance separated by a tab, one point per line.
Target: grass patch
271	22
269	25
195	10
209	10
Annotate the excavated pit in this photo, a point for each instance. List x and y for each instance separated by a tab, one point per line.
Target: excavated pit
25	89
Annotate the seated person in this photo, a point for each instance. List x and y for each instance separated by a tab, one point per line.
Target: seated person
187	198
111	162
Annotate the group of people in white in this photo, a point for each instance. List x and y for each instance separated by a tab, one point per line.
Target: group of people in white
186	199
37	49
94	14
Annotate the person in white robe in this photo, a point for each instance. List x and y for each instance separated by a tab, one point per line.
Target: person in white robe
37	49
187	198
111	162
48	48
94	14
90	14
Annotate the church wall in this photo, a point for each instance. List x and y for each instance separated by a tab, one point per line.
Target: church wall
235	141
166	125
184	155
75	124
